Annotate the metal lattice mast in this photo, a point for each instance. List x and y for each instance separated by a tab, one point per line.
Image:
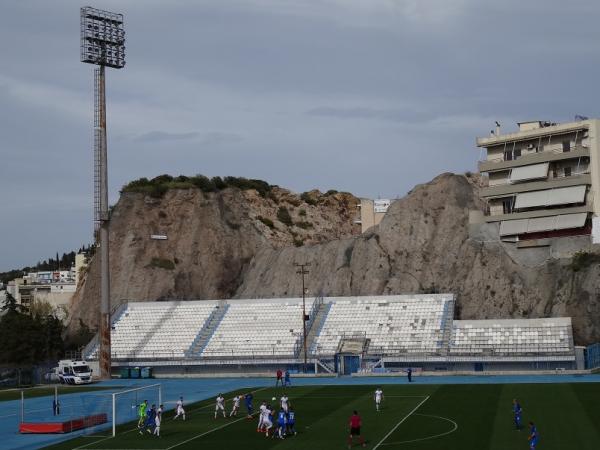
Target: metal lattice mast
103	44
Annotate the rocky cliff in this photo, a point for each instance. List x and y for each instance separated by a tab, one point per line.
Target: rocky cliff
218	248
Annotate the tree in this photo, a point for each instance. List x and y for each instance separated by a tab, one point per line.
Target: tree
11	305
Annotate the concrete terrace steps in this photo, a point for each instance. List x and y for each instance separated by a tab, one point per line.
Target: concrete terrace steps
211	325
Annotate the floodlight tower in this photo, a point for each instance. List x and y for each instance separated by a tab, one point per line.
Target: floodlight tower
102	44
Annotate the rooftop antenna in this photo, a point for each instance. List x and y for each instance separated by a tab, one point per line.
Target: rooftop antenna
102	44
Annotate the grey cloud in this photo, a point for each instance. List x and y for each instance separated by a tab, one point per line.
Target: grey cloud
218	138
209	138
335	94
162	136
393	115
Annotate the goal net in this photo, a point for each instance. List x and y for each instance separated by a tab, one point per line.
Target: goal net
94	412
120	408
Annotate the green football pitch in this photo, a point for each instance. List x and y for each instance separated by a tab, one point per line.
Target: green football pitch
460	417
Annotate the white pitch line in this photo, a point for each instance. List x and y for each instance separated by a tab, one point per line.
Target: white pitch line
135	429
354	396
400	423
455	427
205	433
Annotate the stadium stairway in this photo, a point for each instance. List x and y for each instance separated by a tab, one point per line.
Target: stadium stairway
320	315
204	335
447	327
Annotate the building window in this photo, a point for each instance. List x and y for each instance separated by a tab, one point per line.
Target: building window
566	146
512	154
567	171
507	204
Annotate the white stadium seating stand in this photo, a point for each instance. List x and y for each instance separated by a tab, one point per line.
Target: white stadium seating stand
416	330
259	329
512	337
156	330
391	325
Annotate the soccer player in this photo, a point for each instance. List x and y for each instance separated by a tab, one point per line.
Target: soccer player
281	423
220	406
533	436
284	402
180	410
248	399
142	415
517	411
268	420
286	376
236	405
261	417
355	424
291	421
409	375
378	397
157	421
151	416
279	379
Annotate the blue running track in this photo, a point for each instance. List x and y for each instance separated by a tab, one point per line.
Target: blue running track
193	390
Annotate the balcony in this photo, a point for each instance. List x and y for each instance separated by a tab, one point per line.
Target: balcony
507	189
540	213
535	158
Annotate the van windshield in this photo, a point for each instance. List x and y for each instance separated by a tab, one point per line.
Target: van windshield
81	369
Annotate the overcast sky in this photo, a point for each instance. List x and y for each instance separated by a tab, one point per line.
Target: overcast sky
367	96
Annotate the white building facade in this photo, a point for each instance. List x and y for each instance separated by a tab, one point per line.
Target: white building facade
543	180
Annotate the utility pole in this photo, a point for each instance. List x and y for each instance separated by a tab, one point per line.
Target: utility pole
102	44
303	271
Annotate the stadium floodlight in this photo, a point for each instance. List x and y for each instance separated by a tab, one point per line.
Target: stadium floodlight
102	38
102	44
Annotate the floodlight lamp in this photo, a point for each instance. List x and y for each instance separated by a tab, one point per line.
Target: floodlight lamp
102	38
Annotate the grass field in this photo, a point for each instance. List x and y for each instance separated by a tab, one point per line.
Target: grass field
460	417
15	394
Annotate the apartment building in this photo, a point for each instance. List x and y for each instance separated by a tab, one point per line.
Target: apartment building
543	180
371	212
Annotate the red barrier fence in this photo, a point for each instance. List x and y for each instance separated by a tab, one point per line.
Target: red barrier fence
63	427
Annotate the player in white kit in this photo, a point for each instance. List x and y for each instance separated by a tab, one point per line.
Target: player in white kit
267	421
157	421
285	402
261	417
180	410
236	405
378	398
220	406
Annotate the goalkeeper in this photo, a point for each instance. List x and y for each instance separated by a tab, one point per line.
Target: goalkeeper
142	415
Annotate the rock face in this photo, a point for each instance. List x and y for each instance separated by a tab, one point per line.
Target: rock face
212	237
221	250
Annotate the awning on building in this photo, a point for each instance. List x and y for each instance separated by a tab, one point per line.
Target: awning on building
571	221
537	224
531	172
510	227
541	224
551	197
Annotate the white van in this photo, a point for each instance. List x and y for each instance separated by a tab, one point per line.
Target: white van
73	372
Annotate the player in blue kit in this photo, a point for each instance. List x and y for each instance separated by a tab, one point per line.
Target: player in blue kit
248	399
533	436
291	421
281	423
150	419
517	411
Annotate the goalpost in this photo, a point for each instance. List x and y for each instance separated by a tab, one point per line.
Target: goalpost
93	412
125	403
